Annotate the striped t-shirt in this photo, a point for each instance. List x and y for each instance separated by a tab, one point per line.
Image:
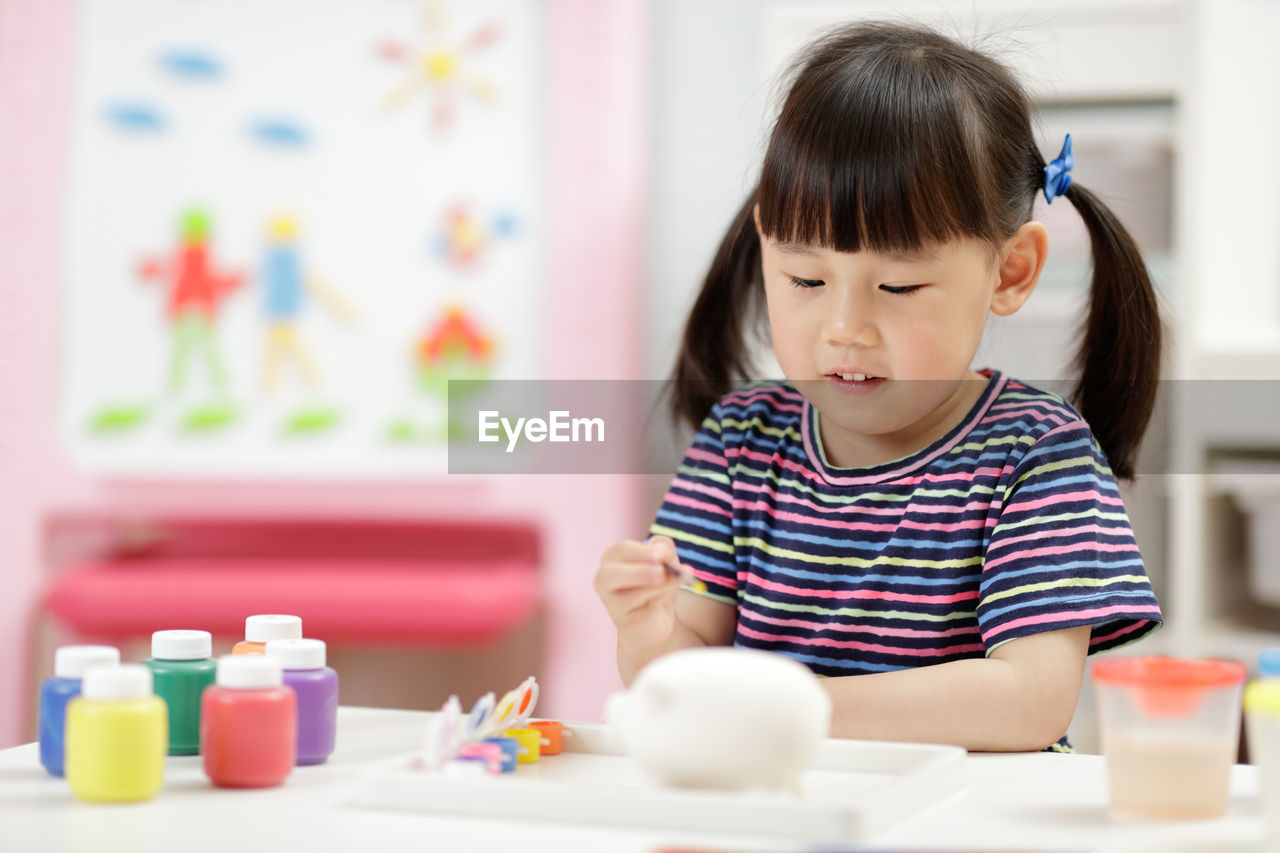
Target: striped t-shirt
1009	525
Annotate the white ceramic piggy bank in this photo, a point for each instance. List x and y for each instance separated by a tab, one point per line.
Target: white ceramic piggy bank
723	718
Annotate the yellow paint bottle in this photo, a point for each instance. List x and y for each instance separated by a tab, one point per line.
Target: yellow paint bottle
117	736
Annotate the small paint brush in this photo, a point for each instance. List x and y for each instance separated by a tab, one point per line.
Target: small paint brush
676	570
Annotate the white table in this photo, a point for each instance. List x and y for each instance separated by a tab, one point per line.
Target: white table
1023	801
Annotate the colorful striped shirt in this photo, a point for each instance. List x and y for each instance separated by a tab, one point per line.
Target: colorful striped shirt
1009	525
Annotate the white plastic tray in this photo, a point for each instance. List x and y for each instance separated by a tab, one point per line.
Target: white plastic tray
856	788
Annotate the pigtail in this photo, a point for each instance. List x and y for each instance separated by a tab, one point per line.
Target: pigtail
713	351
1118	360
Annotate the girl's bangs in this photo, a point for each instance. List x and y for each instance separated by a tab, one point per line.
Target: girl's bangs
862	171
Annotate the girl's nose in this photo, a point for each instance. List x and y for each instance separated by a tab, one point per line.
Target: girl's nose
849	321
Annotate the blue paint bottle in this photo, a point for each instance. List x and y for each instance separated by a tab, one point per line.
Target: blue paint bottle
69	666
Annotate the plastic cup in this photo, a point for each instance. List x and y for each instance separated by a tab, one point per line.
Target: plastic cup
1170	729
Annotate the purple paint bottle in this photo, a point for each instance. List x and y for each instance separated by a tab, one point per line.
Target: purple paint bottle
303	662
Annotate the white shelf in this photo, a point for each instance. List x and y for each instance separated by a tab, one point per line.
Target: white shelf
1238	642
1258	358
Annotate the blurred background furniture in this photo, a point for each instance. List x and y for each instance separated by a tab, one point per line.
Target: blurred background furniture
498	566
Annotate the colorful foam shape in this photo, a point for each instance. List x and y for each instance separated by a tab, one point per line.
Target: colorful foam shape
190	64
455	336
311	421
505	224
439	67
118	418
136	116
214	417
282	132
440	246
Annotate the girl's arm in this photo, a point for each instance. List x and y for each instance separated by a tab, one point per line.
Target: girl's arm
652	613
699	621
1022	697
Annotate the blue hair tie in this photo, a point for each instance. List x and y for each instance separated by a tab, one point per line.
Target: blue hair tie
1056	179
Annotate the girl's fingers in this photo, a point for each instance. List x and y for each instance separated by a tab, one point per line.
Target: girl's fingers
616	577
625	603
656	549
661	548
636	600
632	550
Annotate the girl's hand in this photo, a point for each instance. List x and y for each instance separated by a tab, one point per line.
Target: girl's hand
638	592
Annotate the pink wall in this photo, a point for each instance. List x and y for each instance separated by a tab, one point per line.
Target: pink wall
597	71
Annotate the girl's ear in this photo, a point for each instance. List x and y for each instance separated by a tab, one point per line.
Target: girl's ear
1022	260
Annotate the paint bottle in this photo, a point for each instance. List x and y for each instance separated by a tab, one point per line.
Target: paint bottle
117	735
258	630
1262	728
316	686
182	665
248	724
69	666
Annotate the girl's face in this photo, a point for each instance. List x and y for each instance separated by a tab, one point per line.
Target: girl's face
909	324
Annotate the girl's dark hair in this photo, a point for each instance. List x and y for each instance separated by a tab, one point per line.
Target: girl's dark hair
894	137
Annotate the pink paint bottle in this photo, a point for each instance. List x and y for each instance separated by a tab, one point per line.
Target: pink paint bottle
248	724
316	685
260	629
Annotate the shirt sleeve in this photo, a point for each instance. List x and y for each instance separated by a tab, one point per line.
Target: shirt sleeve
697	512
1062	553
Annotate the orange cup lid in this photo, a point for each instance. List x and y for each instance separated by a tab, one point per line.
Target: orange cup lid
1168	672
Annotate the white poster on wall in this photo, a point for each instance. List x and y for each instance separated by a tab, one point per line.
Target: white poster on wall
290	223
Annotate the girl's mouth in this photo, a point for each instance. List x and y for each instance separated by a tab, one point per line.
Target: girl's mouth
855	383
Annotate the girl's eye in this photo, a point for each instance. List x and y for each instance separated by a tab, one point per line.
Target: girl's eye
805	282
901	289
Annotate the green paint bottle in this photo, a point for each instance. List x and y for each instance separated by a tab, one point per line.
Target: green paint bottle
183	666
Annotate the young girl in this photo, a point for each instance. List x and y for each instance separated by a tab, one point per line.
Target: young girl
944	546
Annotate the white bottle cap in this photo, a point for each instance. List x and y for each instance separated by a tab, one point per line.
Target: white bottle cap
248	672
272	626
121	681
73	661
181	645
297	654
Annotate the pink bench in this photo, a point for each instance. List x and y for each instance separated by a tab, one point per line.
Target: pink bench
411	583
